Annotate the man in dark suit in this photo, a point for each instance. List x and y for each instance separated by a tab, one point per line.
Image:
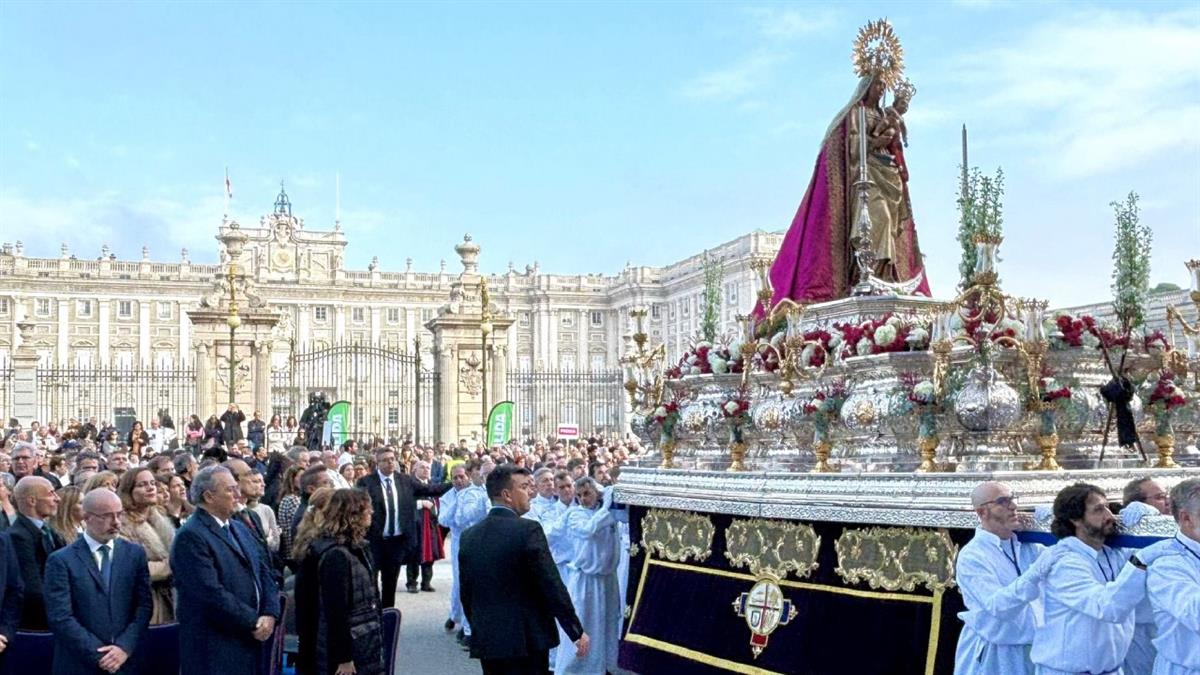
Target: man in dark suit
98	594
394	504
33	541
227	602
231	425
11	592
511	591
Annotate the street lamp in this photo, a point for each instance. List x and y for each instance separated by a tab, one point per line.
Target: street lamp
485	328
233	321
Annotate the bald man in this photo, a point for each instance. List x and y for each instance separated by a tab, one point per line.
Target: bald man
98	594
33	541
1000	579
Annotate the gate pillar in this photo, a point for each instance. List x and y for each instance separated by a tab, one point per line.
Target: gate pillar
470	339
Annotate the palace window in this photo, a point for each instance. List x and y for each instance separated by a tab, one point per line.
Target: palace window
321	313
124	359
3	305
655	312
731	293
567	320
597	318
125	309
357	314
524	319
393	315
164	310
83	308
597	364
42	307
426	314
393	417
83	358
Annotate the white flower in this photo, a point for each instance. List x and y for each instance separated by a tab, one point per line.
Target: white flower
894	321
695	370
806	356
703	343
1049	384
864	346
1017	327
692	359
719	366
660	411
835	341
924	390
918	336
885	335
731	407
1089	340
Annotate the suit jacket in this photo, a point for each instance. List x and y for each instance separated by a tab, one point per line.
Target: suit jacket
221	591
231	431
29	545
511	591
86	616
407	491
12	590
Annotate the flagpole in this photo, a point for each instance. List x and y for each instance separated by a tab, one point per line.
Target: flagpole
337	207
228	194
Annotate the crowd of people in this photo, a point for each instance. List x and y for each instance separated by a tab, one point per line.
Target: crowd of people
1081	605
206	525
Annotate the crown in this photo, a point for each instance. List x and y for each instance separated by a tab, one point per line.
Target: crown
877	53
904	89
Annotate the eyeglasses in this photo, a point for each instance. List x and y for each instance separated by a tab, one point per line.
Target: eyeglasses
1006	502
115	515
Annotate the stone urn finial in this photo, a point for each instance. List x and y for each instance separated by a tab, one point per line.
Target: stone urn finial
468	251
145	253
25	331
233	240
64	250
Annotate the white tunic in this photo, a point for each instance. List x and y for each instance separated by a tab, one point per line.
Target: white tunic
460	509
1003	601
1173	585
1090	596
594	591
1140	658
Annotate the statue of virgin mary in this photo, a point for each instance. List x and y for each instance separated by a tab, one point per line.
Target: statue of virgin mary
816	261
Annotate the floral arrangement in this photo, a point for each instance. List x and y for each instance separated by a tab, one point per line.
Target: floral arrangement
889	333
666	416
736	410
990	324
1162	397
1053	394
916	394
706	358
824	407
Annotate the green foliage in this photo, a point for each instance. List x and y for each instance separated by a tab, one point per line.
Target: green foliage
710	318
1131	264
980	211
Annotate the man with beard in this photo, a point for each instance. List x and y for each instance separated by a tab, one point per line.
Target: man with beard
1090	592
1001	580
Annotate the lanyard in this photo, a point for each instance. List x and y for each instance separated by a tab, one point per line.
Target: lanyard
1111	574
1012	543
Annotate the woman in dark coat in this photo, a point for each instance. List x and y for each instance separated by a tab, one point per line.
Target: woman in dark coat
214	435
349	627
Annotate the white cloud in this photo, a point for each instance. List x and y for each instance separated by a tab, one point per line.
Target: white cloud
734	81
1090	93
791	23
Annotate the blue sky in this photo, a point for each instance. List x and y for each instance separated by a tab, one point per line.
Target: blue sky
585	135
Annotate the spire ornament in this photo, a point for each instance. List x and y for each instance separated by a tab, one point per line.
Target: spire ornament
877	52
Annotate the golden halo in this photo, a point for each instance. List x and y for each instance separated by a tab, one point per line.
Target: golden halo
877	52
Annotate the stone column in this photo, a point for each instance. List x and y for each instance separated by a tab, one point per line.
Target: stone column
447	403
303	327
64	332
339	324
24	377
581	353
144	333
185	329
262	377
205	377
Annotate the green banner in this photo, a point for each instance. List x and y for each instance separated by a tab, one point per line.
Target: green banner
339	423
500	423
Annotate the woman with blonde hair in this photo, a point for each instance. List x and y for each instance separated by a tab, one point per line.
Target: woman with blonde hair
347	634
68	521
147	525
101	479
307	594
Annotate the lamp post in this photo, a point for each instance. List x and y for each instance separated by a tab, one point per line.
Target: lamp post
485	328
233	321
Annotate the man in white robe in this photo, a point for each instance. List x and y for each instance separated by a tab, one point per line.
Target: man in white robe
551	514
593	581
1142	497
461	508
1173	586
1090	593
1000	579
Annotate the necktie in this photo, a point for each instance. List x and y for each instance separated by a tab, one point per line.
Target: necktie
249	521
390	529
105	565
48	535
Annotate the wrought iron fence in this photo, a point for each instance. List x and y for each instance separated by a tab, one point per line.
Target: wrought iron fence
390	393
6	399
592	401
115	394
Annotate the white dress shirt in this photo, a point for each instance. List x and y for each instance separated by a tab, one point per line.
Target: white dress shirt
1003	605
1173	585
1090	596
94	547
386	483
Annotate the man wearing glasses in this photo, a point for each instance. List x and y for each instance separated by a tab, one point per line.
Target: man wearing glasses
1000	579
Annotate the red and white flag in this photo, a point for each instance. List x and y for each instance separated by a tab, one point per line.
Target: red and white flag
228	185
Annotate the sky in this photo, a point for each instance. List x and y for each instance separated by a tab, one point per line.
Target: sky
585	136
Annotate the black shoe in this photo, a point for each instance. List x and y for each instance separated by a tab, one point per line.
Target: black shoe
413	589
466	643
449	625
427	588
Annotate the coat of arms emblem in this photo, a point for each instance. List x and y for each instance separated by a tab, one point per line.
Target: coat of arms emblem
764	609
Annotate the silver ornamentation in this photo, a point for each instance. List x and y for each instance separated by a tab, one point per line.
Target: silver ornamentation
987	402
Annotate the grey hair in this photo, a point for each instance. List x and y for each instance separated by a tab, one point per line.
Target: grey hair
586	481
537	475
204	482
9	480
1186	497
24	445
295	452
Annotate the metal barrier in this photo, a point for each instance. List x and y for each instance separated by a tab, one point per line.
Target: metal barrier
592	401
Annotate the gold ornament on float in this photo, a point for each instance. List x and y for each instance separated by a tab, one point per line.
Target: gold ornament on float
877	52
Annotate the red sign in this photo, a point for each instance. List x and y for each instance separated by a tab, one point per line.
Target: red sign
568	431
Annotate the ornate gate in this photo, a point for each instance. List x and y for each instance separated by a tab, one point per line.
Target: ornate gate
391	393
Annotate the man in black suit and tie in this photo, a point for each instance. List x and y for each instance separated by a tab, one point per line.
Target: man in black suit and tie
511	591
228	602
11	592
33	541
98	594
394	504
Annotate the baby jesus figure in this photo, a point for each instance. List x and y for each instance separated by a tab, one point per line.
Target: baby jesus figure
892	123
